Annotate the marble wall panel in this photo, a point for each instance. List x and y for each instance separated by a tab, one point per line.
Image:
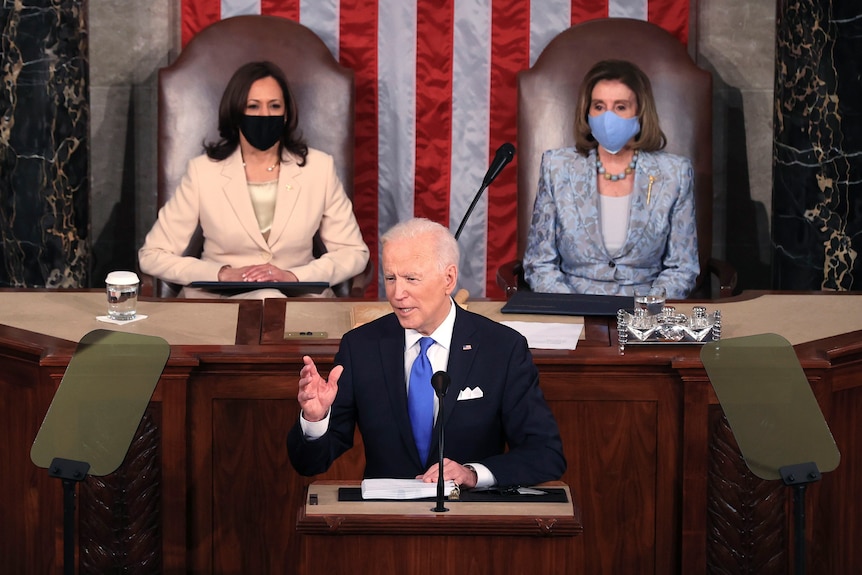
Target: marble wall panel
817	201
44	147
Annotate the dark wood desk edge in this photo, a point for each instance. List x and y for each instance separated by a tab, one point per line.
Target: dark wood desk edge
34	345
262	322
272	321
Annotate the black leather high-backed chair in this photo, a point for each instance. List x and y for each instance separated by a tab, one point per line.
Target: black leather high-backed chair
547	98
191	88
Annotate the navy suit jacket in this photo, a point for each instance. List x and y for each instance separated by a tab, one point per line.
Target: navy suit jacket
510	429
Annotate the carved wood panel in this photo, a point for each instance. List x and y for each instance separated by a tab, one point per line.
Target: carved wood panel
746	515
120	520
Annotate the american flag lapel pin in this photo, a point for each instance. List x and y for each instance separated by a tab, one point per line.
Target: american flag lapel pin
467	347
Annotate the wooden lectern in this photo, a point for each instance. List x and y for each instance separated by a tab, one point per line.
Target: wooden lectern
406	537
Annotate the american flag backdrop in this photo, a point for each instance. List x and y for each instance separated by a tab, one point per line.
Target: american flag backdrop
435	97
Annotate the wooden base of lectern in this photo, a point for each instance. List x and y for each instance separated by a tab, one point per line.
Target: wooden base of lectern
406	537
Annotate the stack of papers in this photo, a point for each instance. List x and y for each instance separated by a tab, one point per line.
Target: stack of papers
548	335
402	489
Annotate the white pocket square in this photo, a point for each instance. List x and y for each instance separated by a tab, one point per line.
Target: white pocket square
468	393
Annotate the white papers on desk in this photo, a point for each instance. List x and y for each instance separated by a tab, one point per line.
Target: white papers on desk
402	488
548	335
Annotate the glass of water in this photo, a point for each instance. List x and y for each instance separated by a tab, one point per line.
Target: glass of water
122	290
651	300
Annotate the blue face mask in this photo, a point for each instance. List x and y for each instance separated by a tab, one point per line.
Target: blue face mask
613	132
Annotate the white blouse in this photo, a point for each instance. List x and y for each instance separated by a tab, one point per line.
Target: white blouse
263	196
615	220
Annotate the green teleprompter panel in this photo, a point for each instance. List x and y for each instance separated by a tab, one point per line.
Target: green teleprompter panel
101	400
769	404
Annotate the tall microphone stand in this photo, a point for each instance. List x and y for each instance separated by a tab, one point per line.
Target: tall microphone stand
503	156
440	381
470	210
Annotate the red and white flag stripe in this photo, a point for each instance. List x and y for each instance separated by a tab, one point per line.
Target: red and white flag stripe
436	96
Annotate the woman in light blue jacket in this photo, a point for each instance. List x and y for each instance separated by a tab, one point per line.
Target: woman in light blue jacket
615	211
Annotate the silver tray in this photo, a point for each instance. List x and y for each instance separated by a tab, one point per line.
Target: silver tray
668	327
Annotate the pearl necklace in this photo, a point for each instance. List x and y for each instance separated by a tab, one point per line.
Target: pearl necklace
269	169
616	177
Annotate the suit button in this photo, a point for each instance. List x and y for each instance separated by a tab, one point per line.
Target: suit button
612	264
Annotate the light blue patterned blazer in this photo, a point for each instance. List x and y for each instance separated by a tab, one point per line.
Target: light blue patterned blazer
566	252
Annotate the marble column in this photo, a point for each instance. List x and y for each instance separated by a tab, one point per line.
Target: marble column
817	152
44	148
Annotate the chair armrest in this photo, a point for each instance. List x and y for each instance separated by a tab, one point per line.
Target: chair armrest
148	285
355	287
726	274
510	277
151	286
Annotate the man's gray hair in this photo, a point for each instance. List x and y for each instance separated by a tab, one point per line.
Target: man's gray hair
445	245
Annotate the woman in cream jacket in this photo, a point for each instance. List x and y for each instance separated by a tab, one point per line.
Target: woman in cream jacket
259	195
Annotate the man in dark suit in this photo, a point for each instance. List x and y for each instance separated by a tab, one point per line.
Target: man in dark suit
499	429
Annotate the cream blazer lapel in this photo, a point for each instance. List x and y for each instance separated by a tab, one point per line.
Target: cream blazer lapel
287	198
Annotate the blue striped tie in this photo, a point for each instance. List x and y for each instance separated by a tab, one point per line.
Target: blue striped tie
420	399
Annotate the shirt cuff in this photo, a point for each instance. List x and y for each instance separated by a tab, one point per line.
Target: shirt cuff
313	429
484	477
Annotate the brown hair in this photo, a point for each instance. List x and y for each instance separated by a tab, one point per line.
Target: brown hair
650	138
232	109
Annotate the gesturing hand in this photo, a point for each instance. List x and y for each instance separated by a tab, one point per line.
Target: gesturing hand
316	394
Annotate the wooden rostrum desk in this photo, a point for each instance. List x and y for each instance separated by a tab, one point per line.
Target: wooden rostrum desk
139	513
511	535
652	464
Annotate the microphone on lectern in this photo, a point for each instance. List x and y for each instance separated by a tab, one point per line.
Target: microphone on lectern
440	382
502	157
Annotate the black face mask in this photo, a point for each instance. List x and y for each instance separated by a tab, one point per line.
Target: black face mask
262	132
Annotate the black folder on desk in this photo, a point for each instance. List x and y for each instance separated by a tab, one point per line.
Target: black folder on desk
287	288
566	303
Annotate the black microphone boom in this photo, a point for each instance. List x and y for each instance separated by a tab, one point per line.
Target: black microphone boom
504	155
440	382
